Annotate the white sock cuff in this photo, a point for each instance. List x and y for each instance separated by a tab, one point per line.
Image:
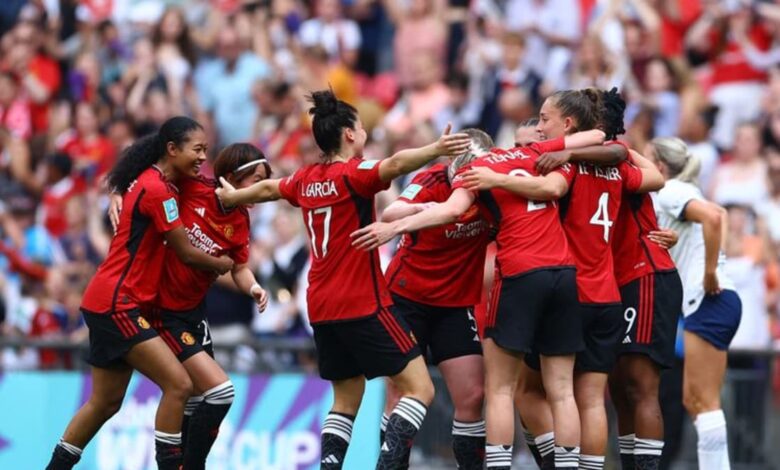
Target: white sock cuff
222	394
70	448
168	438
545	443
383	422
338	425
498	456
565	458
626	443
648	446
475	429
411	410
710	420
591	462
192	404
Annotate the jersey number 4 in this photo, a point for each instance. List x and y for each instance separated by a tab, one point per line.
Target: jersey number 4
601	217
326	213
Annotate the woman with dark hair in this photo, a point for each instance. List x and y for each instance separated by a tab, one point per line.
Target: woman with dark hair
589	211
180	318
121	339
356	330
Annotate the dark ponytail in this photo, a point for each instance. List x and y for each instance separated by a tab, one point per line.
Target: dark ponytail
330	117
148	150
613	110
582	105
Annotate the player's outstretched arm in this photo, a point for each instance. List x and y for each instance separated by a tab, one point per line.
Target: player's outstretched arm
408	160
538	188
262	191
585	138
379	233
400	209
246	282
178	241
602	155
652	179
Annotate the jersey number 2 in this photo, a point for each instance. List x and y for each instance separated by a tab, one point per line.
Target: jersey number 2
323	247
532	205
601	217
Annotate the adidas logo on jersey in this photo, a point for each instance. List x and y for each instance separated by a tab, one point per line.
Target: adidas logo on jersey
330	459
385	447
626	340
201	211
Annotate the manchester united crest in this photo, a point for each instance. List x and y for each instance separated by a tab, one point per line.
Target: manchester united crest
143	323
187	339
229	231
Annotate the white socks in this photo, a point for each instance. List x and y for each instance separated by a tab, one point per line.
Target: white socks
712	445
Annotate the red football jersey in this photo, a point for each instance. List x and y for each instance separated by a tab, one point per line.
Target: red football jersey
635	254
589	213
213	230
130	275
336	199
440	266
530	234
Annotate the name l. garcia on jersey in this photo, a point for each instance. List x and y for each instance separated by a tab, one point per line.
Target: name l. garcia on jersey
320	189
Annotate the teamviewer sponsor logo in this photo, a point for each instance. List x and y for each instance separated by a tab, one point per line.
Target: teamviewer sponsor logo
200	240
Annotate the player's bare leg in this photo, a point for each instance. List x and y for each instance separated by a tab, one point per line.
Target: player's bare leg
337	428
536	416
155	360
416	389
621	399
214	395
558	379
502	370
465	381
704	369
589	388
108	391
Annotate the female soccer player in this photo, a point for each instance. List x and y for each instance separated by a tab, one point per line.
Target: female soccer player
435	279
711	307
356	331
533	303
121	339
180	317
595	193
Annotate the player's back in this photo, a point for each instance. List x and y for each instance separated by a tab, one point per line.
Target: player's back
337	198
130	274
210	228
589	213
530	235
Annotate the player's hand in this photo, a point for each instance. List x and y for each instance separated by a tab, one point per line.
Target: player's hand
711	284
224	264
260	296
481	179
667	238
226	193
114	209
452	144
547	162
373	236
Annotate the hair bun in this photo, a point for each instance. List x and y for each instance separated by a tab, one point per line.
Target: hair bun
325	103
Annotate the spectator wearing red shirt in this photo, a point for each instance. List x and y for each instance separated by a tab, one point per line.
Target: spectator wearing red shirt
14	108
60	187
93	153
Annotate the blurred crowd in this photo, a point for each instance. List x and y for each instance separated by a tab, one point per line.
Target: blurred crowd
80	80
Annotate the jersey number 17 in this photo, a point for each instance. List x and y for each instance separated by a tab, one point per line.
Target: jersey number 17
321	250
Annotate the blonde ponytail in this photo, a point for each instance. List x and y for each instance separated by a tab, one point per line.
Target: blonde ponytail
674	153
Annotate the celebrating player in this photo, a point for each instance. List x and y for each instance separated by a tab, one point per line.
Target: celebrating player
435	279
180	317
595	193
356	332
121	339
533	303
711	307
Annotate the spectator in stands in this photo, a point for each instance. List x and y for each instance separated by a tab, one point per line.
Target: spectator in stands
14	108
743	179
339	36
91	152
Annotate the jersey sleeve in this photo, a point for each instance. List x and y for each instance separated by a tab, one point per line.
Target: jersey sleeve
162	206
675	196
240	254
546	146
415	192
567	171
631	176
364	178
288	188
457	180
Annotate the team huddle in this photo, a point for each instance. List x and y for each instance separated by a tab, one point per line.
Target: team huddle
586	293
